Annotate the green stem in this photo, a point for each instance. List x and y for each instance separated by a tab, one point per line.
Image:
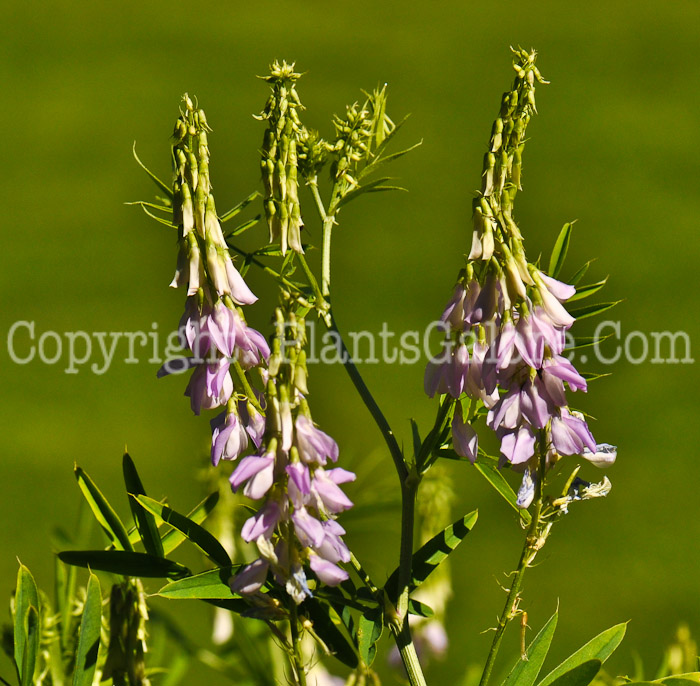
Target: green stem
423	460
371	404
409	490
321	303
328	219
510	609
409	656
242	380
296	647
361	573
409	480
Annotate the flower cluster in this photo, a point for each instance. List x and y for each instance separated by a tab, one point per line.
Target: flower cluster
296	522
512	315
213	326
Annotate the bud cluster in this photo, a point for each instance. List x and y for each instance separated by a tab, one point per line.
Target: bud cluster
295	526
279	158
509	324
213	326
357	137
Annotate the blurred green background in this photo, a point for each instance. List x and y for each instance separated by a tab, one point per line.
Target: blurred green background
616	145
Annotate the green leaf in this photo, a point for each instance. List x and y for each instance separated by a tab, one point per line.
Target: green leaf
581	675
592	376
26	597
525	671
490	471
598	648
164	187
587	290
417	443
688	679
103	511
242	228
326	622
395	155
561	247
377	185
174	537
272	250
587	341
126	563
162	221
30	652
236	209
145	521
592	310
209	585
89	637
198	535
369	631
580	273
430	555
415	607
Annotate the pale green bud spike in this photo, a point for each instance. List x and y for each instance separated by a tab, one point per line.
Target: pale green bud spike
502	170
279	158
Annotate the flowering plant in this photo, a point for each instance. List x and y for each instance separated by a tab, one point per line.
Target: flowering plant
502	374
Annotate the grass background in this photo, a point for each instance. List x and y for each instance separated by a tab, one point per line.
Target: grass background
616	145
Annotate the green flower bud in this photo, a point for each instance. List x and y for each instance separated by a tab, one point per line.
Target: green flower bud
496	135
192	170
514	283
200	206
280	181
187	209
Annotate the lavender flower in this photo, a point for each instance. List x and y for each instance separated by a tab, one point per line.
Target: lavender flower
507	323
295	525
212	326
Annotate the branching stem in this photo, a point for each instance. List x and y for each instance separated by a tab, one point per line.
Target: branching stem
530	548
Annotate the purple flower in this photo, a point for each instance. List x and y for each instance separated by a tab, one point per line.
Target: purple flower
224	327
190	328
570	434
229	438
332	548
210	386
560	290
529	342
314	445
487	301
551	302
435	380
562	368
464	438
326	571
251	578
299	484
454	311
240	293
254	422
457	371
553	336
252	348
307	528
263	523
518	446
329	493
258	472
